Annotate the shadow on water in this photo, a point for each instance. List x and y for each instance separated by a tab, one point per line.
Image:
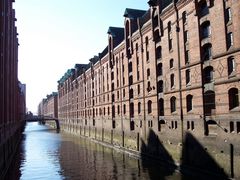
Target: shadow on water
15	167
154	148
194	156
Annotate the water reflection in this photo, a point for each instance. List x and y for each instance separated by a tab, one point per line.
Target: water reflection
45	154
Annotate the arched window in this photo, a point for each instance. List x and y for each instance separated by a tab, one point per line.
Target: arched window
173	104
189	102
124	109
207	52
206	29
233	98
161	107
231	65
208	74
149	107
209	102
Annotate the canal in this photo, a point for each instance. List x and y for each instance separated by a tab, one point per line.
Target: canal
46	154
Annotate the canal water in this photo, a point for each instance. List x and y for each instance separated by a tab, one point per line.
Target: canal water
45	154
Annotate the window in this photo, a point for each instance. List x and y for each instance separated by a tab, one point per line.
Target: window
123	92
233	98
189	102
231	65
186	37
207	52
186	56
149	107
206	29
160	86
173	104
124	109
184	17
171	62
130	80
229	40
231	127
156	36
138	88
159	52
238	127
131	110
148	73
147	52
188	125
136	47
131	93
118	109
159	69
161	107
203	8
209	102
113	111
170	35
228	15
172	80
187	76
130	67
149	86
208	74
139	108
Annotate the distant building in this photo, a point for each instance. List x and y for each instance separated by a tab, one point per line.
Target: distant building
49	106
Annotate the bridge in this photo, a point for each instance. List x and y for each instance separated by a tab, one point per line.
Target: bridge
34	118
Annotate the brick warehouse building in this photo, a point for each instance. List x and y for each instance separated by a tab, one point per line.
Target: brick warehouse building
167	84
12	92
49	106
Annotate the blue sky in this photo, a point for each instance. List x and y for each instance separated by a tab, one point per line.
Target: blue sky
54	35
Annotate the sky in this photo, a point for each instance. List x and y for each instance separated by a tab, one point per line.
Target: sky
54	35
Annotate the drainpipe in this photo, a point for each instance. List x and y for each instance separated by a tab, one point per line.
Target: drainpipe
179	71
144	106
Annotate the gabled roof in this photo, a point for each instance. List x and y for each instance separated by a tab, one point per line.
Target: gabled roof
118	35
133	13
103	53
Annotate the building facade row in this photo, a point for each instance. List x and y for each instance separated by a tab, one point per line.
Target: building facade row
49	106
172	71
12	92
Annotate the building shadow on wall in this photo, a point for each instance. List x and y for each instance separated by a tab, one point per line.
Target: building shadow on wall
196	159
162	164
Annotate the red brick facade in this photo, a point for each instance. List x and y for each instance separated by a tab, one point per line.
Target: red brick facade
173	70
12	92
